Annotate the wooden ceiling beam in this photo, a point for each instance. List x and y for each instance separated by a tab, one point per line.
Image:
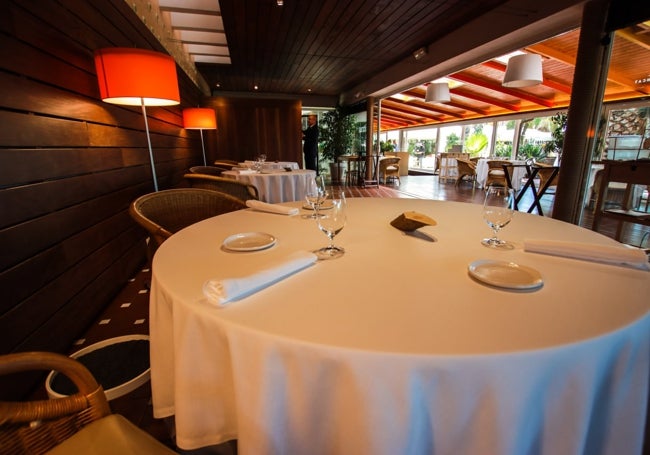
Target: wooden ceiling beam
570	59
633	35
419	94
485	99
499	88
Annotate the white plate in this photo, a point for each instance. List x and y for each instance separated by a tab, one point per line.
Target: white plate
505	274
325	206
249	241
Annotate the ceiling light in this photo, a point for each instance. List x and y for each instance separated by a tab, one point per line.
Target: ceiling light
523	71
280	2
437	92
420	53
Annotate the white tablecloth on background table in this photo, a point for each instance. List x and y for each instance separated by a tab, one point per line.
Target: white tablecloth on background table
393	348
277	165
518	172
278	186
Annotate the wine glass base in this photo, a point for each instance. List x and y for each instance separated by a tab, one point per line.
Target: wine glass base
497	243
329	252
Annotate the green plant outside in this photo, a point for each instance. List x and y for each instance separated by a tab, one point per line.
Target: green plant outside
337	134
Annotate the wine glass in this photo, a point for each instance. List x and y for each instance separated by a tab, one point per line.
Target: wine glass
331	222
497	213
316	195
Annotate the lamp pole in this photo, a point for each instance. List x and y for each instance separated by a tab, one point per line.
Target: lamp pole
146	127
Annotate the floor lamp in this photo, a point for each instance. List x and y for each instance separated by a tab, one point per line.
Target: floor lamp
137	77
200	118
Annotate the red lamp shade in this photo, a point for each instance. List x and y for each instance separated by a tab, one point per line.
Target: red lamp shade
136	76
199	118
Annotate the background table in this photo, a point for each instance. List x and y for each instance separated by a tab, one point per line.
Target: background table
393	348
280	186
277	165
518	172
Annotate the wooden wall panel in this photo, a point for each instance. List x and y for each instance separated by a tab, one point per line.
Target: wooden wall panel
249	126
70	165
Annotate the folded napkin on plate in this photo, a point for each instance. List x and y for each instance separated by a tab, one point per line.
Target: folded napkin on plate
272	208
222	291
616	255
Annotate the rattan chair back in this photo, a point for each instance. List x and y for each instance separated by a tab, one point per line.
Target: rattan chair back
207	170
166	212
240	190
227	164
496	176
34	427
466	168
389	168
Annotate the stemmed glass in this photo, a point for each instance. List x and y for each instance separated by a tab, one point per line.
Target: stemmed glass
259	164
316	195
497	213
331	223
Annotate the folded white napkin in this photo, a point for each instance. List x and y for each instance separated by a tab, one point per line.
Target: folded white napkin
245	171
221	291
616	255
271	208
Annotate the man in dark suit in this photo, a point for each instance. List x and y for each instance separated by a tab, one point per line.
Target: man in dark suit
310	147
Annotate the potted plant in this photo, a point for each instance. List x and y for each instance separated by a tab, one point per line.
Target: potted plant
336	137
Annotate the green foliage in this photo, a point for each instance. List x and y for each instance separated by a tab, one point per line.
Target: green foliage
530	150
558	129
475	143
452	139
336	134
416	147
503	149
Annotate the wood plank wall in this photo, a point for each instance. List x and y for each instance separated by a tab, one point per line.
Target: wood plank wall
250	126
69	167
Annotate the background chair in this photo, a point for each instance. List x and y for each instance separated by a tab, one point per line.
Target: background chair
496	176
165	212
227	164
81	423
208	170
240	190
389	168
466	168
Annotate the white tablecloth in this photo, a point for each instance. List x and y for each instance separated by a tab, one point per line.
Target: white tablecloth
393	348
277	165
280	186
518	173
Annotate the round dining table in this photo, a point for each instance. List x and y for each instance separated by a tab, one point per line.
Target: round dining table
395	347
277	185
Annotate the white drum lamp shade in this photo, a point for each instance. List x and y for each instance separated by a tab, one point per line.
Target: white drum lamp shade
437	92
523	71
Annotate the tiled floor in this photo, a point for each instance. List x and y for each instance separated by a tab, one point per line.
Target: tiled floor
128	314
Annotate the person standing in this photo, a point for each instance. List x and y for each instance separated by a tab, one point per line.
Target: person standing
310	147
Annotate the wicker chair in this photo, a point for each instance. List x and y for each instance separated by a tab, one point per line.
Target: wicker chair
79	423
389	168
165	212
227	164
466	168
496	176
207	170
240	190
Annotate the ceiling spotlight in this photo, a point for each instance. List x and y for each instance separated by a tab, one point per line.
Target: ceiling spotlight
280	2
420	53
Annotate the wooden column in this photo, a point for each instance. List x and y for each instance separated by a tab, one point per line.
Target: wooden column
592	63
